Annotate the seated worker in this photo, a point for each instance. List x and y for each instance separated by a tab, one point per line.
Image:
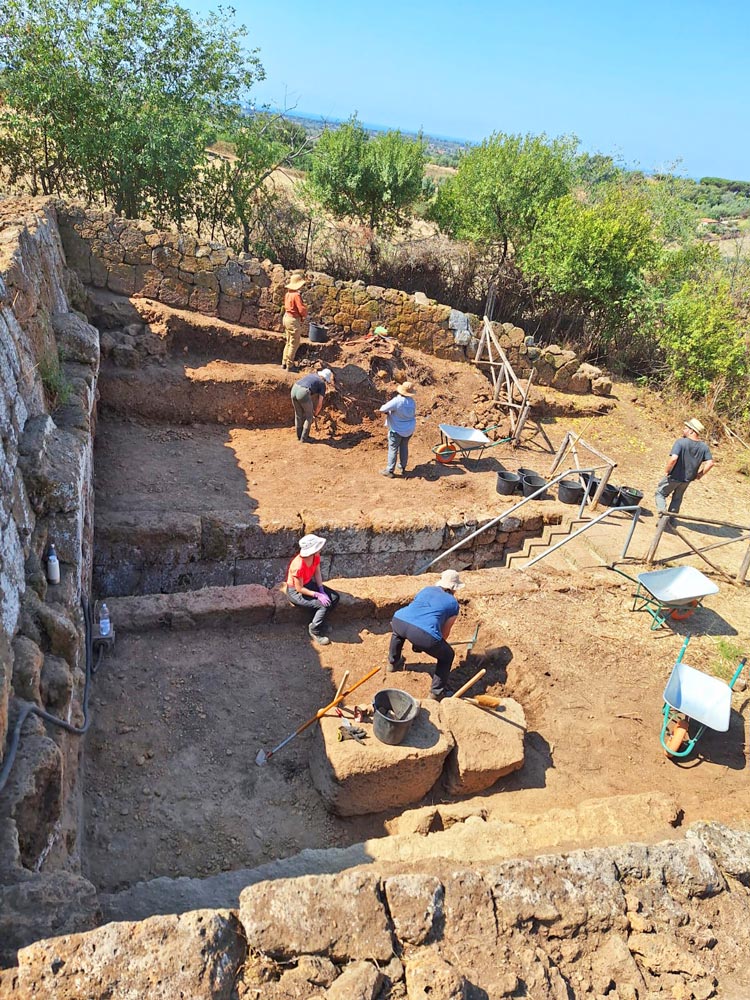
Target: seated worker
304	586
307	400
427	623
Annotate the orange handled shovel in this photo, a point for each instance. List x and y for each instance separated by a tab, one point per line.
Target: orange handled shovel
263	757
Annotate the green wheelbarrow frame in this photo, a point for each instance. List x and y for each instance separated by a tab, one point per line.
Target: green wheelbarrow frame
669	593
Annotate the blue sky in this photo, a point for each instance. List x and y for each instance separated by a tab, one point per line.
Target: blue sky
652	83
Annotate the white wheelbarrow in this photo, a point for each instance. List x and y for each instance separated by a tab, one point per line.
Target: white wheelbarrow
692	695
672	593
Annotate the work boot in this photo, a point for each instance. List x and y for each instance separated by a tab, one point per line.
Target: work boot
323	640
292	368
398	665
387	473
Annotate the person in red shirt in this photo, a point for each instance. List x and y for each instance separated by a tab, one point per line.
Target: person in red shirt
295	312
305	589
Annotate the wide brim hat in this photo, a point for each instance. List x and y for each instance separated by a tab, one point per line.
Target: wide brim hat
695	425
296	282
310	544
450	580
406	389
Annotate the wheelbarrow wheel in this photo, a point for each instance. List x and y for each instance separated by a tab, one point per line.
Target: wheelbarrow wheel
680	733
682	614
445	453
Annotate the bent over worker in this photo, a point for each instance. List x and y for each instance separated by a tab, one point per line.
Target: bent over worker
690	459
426	623
307	399
305	588
295	312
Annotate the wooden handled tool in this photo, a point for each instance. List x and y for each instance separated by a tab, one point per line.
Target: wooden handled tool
469	684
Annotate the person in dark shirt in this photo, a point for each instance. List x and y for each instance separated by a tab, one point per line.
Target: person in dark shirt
307	400
690	459
426	623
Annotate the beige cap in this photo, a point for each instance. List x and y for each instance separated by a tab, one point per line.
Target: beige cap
695	425
450	580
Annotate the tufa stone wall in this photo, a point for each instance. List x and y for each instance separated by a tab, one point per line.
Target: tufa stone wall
133	258
46	494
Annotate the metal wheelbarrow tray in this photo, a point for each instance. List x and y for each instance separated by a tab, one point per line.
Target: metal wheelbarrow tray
699	697
672	593
463	440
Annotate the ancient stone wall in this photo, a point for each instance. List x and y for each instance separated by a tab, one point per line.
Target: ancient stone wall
49	362
627	923
133	258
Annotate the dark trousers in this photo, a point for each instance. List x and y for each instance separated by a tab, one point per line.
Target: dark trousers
304	413
312	604
422	642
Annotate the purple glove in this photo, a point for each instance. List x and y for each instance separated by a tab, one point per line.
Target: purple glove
324	599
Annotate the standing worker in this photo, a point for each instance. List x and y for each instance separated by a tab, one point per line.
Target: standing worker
427	624
295	311
307	400
305	589
690	459
401	421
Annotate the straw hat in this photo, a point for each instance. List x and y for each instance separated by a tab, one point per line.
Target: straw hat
310	544
296	281
695	425
450	580
405	389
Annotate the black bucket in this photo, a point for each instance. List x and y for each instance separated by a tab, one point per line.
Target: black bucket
630	497
317	334
531	484
394	712
610	496
569	491
507	483
527	472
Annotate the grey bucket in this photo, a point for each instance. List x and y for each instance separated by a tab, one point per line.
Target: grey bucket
507	483
394	712
531	484
317	334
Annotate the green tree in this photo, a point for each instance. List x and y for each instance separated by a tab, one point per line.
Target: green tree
594	257
502	186
117	98
373	180
702	338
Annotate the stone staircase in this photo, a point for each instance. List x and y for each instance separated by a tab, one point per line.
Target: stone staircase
599	546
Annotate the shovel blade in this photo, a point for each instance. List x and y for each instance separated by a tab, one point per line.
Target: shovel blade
261	758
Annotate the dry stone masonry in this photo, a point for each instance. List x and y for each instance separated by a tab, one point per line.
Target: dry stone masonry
132	258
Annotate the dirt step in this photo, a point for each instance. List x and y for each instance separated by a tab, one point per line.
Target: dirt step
181	392
475	836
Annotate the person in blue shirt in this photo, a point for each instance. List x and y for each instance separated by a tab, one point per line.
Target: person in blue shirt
689	460
401	420
426	623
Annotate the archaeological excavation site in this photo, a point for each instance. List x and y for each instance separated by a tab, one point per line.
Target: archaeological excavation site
203	794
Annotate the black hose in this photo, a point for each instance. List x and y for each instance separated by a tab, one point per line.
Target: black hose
29	708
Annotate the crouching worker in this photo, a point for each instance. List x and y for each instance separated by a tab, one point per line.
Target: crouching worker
304	586
426	623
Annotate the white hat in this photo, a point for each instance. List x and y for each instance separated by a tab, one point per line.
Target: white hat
450	580
326	374
695	425
310	544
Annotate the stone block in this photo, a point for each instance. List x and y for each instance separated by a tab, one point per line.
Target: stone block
121	279
174	292
415	903
392	532
27	669
358	981
229	309
196	955
56	685
601	386
33	794
488	745
76	338
354	779
230	534
430	977
341	917
204	300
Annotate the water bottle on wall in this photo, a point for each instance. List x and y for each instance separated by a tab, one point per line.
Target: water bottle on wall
104	623
53	566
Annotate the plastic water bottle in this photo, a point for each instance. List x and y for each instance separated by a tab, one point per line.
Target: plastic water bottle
53	566
104	623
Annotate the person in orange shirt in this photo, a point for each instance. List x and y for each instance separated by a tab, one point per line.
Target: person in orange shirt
305	589
295	311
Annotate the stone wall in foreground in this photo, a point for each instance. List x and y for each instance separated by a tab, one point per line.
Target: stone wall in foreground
660	922
46	495
133	258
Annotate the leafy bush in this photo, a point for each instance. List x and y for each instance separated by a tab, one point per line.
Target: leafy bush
57	388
